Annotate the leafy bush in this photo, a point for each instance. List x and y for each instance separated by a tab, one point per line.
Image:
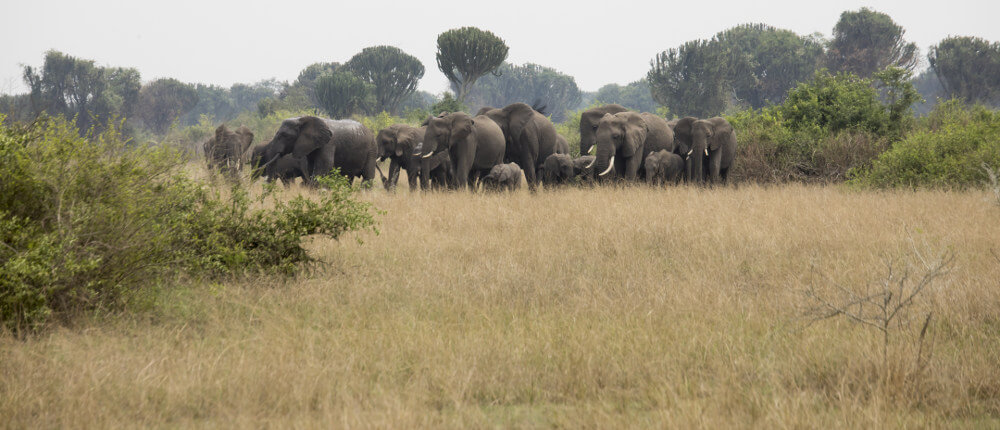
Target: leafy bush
830	103
94	223
947	149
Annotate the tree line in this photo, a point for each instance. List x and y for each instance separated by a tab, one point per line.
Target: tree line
747	66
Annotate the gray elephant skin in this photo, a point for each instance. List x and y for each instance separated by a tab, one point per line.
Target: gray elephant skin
503	177
557	170
320	144
441	173
227	149
625	139
474	144
401	144
713	147
663	167
529	135
286	168
589	120
583	167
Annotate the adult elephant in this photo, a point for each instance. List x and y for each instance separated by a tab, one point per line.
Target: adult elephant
625	139
683	140
474	144
320	144
401	144
529	135
227	149
589	120
713	147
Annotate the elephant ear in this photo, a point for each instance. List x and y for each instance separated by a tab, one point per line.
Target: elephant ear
722	130
246	137
518	116
635	134
315	131
406	140
221	132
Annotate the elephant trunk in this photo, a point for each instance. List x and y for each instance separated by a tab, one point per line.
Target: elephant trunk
605	159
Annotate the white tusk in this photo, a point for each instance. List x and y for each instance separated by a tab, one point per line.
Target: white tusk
689	152
428	155
611	165
706	152
591	150
591	163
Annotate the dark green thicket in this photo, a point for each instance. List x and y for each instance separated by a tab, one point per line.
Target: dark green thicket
92	223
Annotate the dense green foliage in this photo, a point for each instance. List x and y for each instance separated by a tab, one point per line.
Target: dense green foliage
96	224
342	93
866	41
393	73
968	68
75	88
635	96
162	101
690	80
466	54
528	83
948	148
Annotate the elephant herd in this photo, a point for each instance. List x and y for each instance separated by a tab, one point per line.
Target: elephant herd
492	149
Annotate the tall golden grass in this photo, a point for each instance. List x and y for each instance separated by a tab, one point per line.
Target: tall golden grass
597	308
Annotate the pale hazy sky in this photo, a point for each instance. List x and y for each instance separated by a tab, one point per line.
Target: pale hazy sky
246	41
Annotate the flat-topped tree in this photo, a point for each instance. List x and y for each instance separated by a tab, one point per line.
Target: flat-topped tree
466	54
393	72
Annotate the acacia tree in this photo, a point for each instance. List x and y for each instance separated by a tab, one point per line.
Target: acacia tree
528	83
69	86
393	73
341	94
163	101
466	54
690	79
968	67
866	41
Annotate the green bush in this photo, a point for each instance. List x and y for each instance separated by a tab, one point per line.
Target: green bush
830	103
947	149
91	223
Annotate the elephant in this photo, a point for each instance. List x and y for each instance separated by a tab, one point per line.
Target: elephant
529	135
320	145
562	146
583	167
625	139
713	147
287	168
227	149
682	139
662	167
588	125
441	173
474	144
399	143
557	170
503	176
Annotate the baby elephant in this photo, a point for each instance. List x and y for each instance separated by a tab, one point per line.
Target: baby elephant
503	176
441	172
583	167
663	166
286	168
557	169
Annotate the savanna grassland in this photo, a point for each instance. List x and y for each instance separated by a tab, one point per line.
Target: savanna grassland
601	308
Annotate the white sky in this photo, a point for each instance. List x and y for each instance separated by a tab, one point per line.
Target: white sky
598	43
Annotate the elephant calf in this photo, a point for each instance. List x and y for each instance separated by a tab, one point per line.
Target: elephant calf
662	166
503	176
441	172
583	167
557	170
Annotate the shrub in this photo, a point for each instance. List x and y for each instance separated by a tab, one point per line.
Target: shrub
835	102
94	223
948	149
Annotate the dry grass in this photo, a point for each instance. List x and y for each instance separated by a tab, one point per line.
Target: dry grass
601	308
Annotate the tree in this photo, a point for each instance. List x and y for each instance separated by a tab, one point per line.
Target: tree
968	68
898	94
466	54
635	96
163	101
528	83
866	41
690	79
393	73
306	82
764	62
831	103
341	94
72	87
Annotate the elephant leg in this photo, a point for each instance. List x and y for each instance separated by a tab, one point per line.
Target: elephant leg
412	178
463	166
714	165
530	174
